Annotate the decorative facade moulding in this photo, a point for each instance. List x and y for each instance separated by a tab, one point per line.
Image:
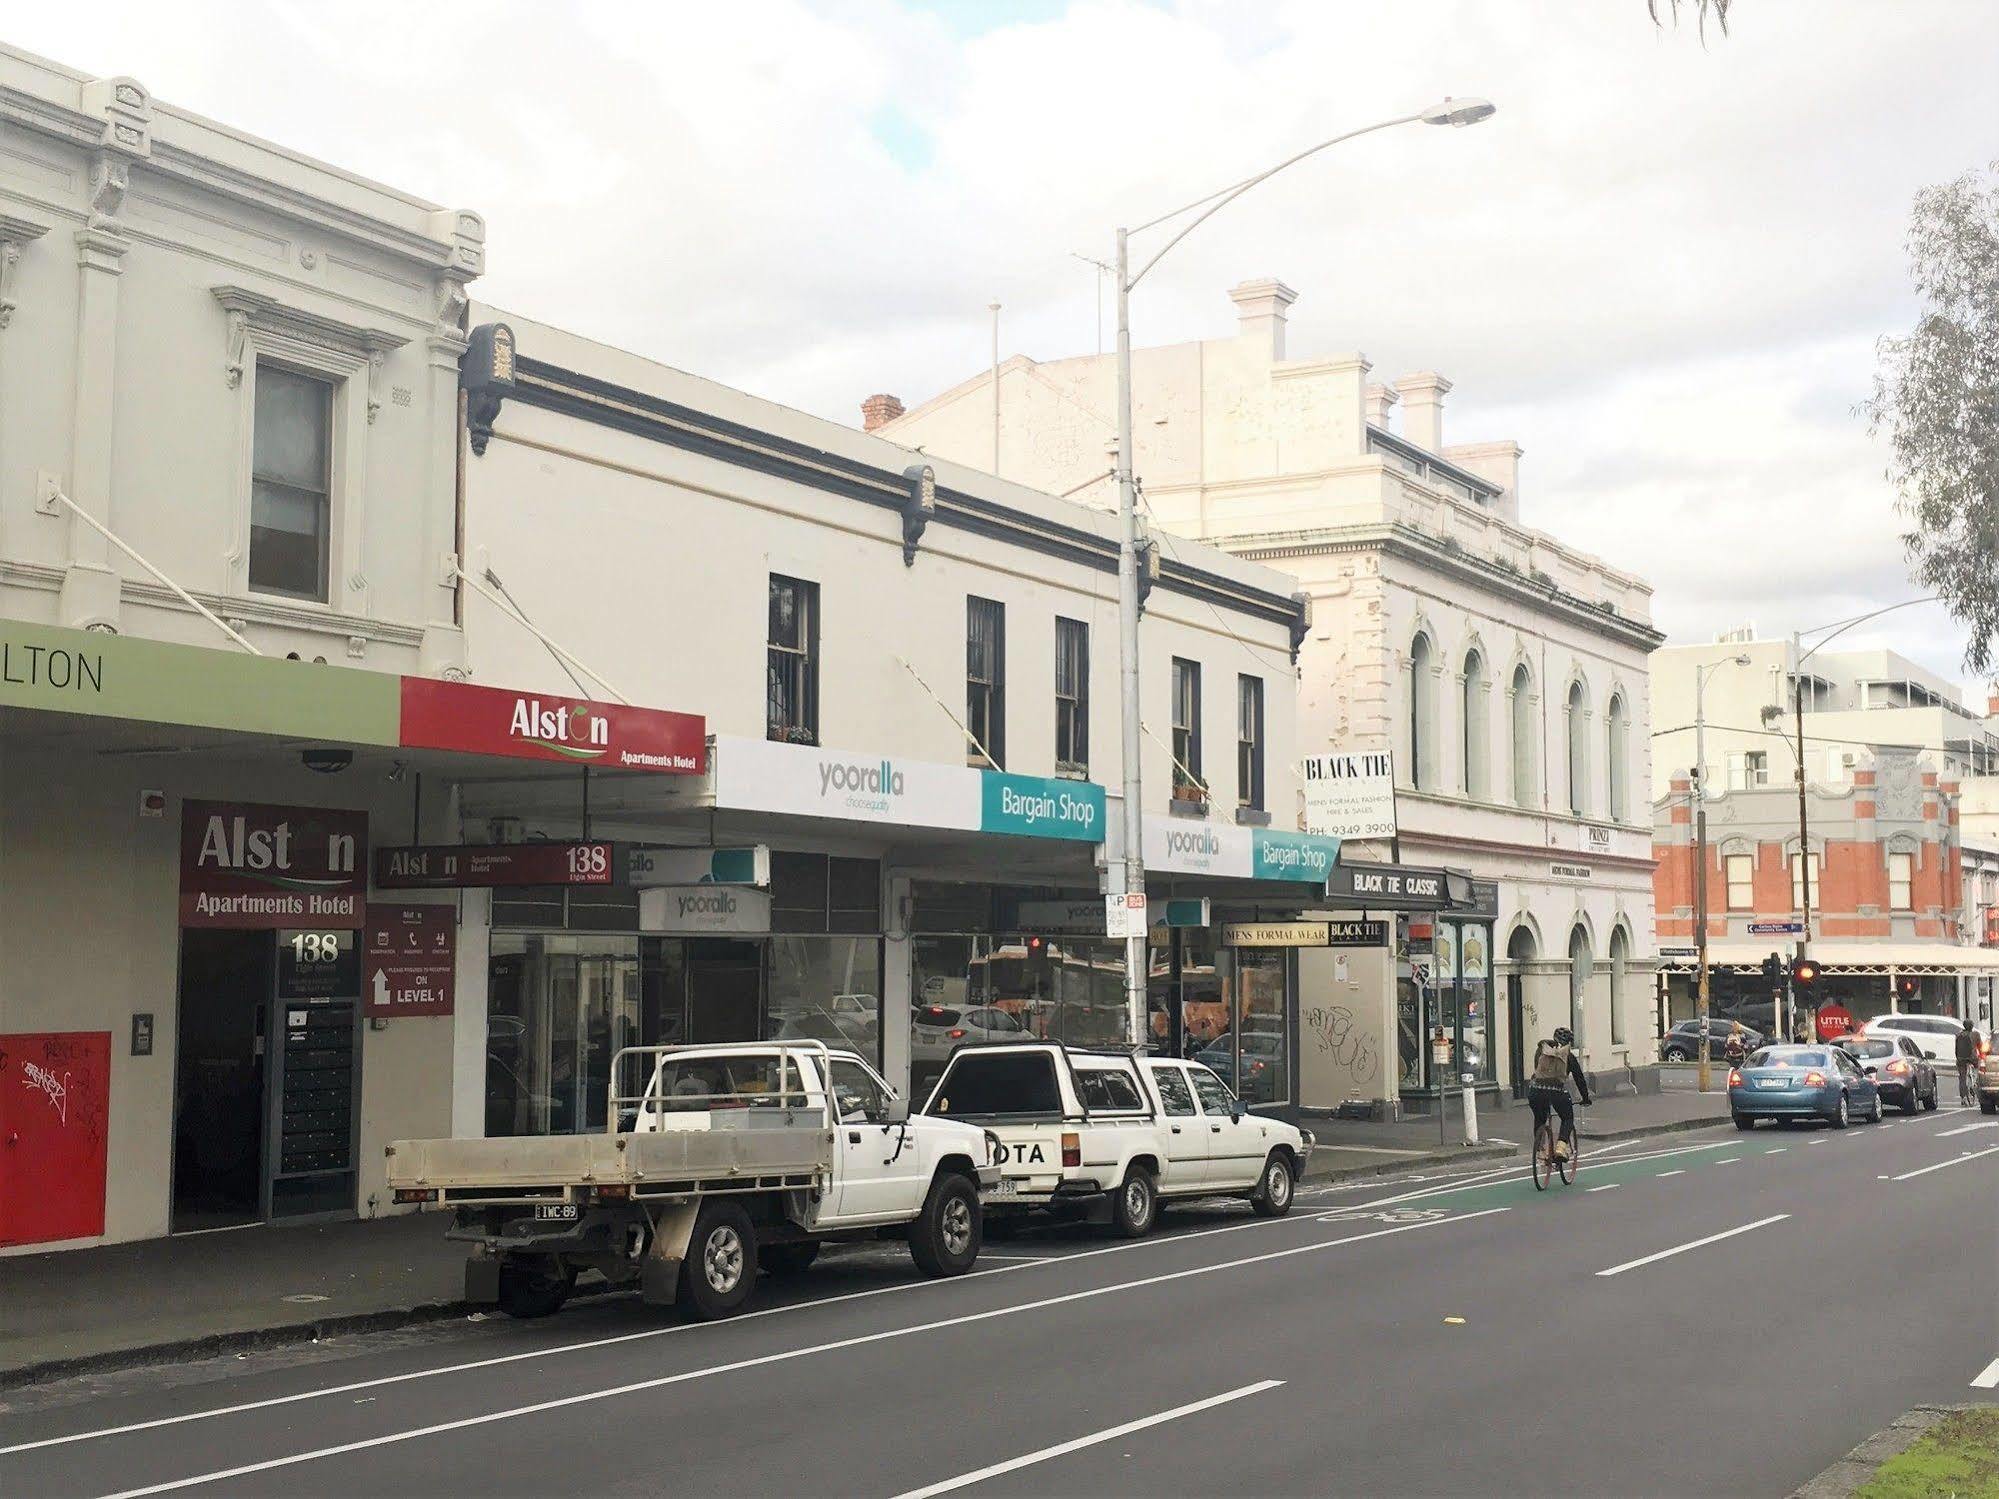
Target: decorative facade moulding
246	309
16	234
917	508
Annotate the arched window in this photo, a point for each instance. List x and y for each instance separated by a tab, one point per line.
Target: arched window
1578	719
1472	715
1620	951
1526	767
1580	964
1615	777
1422	745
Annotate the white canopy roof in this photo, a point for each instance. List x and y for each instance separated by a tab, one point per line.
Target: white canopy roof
1856	957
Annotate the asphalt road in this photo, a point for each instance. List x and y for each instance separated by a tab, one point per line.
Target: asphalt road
1465	1335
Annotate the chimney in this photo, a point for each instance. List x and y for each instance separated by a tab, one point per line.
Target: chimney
879	410
1380	398
1423	409
1992	702
1261	308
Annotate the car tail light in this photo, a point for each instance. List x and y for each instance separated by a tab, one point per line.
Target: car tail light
957	1033
1898	1068
1734	1078
1814	1079
1072	1150
416	1194
619	1191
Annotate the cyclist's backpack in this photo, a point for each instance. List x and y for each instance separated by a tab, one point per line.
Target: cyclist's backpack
1551	1063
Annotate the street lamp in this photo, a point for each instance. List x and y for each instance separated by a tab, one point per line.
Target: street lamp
1799	656
1453	112
1701	674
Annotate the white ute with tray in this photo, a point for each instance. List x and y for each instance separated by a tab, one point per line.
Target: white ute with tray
723	1160
1107	1136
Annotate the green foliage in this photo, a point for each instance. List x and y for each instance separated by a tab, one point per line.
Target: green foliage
1958	1458
1936	393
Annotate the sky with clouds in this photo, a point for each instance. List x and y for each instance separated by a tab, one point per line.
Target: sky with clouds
1661	267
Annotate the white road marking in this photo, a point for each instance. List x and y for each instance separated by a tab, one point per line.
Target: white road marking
1679	1171
786	1356
1776	1150
1819	1141
1965	1129
1728	1160
624	1337
1988	1379
1970	1155
1606	1187
1666	1254
1029	1459
1032	1259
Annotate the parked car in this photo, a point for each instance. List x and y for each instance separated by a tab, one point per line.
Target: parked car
1683	1042
1802	1082
1988	1083
1904	1075
1262	1062
1103	1136
1935	1034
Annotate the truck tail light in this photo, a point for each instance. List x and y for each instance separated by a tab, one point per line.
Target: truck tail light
1072	1150
618	1192
416	1194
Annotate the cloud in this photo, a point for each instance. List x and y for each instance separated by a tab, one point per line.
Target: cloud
1660	266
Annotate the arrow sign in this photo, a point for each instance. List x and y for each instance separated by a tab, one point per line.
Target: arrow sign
381	989
411	953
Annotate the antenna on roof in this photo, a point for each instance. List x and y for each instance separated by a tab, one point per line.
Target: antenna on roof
1103	270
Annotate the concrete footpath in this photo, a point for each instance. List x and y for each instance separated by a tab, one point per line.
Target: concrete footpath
208	1293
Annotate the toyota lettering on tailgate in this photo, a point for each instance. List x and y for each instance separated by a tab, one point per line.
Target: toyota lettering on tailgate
1020	1153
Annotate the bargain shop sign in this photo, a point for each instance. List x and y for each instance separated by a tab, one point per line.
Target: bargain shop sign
1184	846
758	775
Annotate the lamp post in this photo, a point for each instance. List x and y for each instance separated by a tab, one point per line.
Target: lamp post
1701	674
1799	656
1456	112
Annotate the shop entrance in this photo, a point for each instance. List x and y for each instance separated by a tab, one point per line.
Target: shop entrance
220	1097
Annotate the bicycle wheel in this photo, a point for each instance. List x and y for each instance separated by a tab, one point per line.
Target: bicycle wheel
1568	1162
1544	1158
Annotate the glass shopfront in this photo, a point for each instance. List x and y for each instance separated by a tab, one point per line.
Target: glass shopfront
571	981
1443	979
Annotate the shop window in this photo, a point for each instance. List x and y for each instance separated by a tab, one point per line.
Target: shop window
1249	742
1799	879
826	989
557	1010
943	906
1526	765
291	484
985	682
1072	697
1254	1055
853	898
791	700
814	893
581	908
1187	783
1740	872
1901	881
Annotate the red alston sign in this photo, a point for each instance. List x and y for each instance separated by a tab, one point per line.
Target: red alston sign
533	726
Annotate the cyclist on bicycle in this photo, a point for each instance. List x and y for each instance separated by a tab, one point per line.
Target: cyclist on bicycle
1969	1047
1548	1087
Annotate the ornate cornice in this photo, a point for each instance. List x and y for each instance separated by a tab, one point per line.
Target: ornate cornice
16	234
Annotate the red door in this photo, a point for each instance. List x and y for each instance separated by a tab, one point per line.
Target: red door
55	1091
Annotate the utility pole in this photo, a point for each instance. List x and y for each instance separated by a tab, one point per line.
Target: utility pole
1804	809
1135	964
1700	872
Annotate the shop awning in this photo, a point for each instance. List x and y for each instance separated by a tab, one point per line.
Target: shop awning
1855	957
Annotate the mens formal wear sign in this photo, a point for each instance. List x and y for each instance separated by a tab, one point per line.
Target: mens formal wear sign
246	865
1350	795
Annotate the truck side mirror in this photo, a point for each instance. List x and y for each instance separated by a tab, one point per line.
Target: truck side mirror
1237	1108
895	1111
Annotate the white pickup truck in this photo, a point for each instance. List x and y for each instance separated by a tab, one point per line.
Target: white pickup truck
1104	1135
718	1161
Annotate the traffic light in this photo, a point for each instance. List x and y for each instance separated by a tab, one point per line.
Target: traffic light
1773	971
1804	974
1907	987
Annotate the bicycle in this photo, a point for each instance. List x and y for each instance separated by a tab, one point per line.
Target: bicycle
1967	1083
1546	1162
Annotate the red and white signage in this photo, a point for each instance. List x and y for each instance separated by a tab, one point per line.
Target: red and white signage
246	865
409	959
55	1112
533	726
1834	1020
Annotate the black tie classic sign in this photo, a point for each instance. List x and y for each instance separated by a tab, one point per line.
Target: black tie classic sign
1397	887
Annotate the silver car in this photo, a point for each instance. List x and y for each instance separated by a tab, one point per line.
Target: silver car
1906	1077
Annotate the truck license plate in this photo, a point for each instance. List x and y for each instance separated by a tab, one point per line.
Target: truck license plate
555	1212
1006	1186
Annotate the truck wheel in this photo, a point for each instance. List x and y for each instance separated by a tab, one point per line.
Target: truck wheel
944	1239
532	1287
787	1259
721	1265
1135	1205
1272	1198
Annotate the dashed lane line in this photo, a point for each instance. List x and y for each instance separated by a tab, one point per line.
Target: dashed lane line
1666	1254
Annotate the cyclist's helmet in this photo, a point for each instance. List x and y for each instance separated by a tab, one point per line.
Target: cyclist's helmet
1564	1036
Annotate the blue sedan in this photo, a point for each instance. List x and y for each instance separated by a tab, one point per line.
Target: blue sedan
1802	1082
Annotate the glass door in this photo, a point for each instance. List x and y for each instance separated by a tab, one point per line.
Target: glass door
558	1009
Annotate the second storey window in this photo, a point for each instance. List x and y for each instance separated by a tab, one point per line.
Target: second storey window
1072	696
1187	783
1740	871
791	695
1798	877
1901	881
291	484
1249	742
985	682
